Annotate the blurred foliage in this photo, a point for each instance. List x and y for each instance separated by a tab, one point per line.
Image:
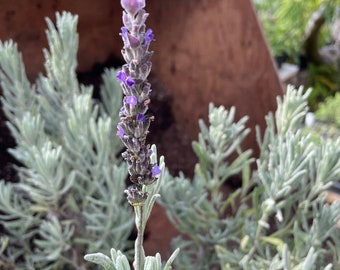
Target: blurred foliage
284	22
329	111
320	131
324	79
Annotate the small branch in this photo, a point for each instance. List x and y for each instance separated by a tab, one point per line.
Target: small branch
312	36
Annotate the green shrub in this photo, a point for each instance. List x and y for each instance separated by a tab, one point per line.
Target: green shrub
69	199
278	218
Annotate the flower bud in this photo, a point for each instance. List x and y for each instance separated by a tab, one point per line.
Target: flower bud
132	6
135	196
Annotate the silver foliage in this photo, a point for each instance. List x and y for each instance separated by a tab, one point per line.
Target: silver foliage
118	261
278	217
69	199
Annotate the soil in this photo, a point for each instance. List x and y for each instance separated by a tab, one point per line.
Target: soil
171	140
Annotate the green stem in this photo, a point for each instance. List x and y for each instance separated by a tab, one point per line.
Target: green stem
257	238
139	250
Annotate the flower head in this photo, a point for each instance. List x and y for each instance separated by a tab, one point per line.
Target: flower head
132	6
134	120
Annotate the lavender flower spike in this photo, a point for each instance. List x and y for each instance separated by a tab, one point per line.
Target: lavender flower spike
134	118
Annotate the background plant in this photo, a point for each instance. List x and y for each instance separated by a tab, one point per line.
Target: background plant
325	82
326	122
278	218
284	23
329	111
69	199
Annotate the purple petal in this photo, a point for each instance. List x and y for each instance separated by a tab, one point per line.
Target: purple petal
121	76
130	82
155	170
124	34
140	117
132	100
149	36
120	132
122	110
134	42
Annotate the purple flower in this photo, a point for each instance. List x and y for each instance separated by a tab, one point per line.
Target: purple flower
149	36
132	100
132	6
140	118
130	82
121	76
120	132
155	170
134	119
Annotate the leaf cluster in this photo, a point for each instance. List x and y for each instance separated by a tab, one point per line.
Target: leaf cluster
118	261
278	217
69	199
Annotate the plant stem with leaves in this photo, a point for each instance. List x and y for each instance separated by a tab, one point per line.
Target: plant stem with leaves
134	119
132	129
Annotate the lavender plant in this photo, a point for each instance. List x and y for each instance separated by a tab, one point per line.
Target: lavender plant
278	218
144	173
69	199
